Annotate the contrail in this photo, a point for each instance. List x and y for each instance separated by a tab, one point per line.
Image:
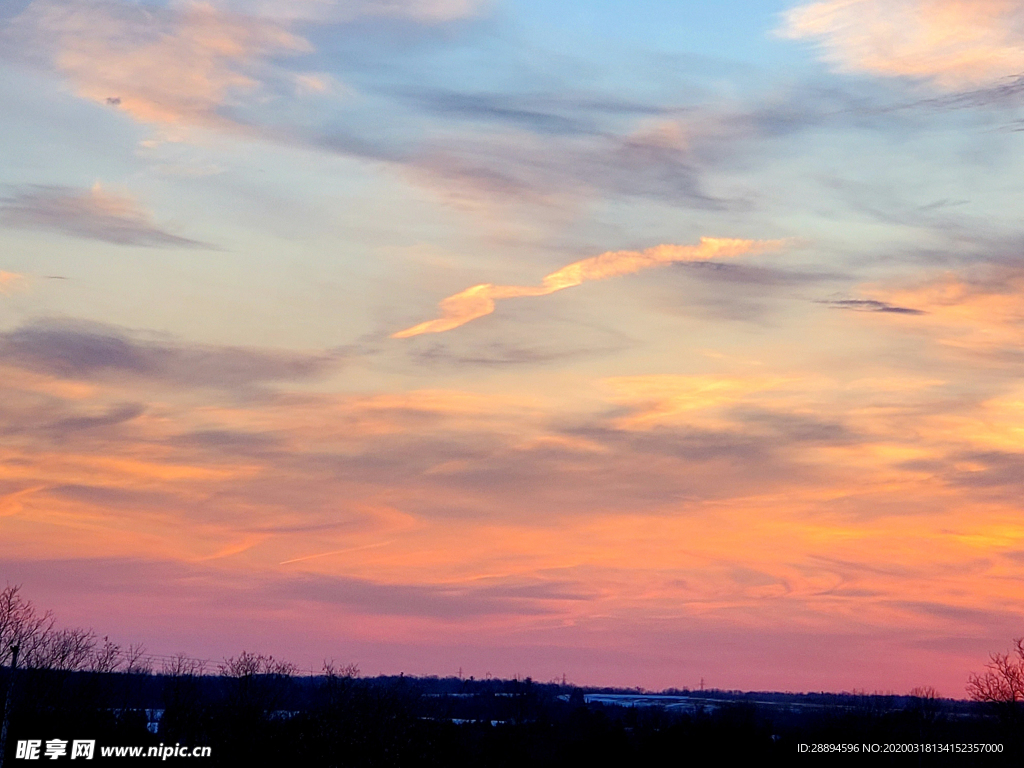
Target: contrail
479	300
334	552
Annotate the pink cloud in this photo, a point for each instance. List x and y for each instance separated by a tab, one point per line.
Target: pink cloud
180	65
165	66
955	44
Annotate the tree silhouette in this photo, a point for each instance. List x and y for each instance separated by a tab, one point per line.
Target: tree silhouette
1003	679
1001	686
42	645
21	625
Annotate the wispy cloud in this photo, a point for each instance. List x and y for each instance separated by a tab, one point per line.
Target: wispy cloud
88	351
871	305
174	66
91	213
549	113
498	354
954	44
459	601
560	149
661	159
660	399
478	300
187	64
340	11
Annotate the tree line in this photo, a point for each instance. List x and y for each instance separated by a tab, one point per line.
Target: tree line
254	709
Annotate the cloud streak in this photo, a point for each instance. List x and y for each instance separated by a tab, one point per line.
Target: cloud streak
871	305
659	159
89	351
479	300
95	214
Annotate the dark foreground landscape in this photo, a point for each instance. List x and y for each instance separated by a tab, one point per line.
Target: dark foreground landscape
255	711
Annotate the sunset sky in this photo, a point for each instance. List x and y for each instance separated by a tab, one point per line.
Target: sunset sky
636	342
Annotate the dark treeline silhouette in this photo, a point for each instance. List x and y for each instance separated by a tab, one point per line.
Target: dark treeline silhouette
253	709
340	719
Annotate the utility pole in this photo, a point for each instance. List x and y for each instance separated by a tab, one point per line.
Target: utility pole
7	703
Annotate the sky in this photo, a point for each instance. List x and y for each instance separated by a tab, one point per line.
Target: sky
637	343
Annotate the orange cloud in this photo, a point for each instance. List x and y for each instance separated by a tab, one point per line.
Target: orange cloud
440	514
18	381
660	398
977	314
9	281
954	43
13	503
478	300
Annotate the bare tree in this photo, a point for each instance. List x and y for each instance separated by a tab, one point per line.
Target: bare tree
67	650
107	658
181	665
333	672
21	625
247	665
1003	679
135	660
43	646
